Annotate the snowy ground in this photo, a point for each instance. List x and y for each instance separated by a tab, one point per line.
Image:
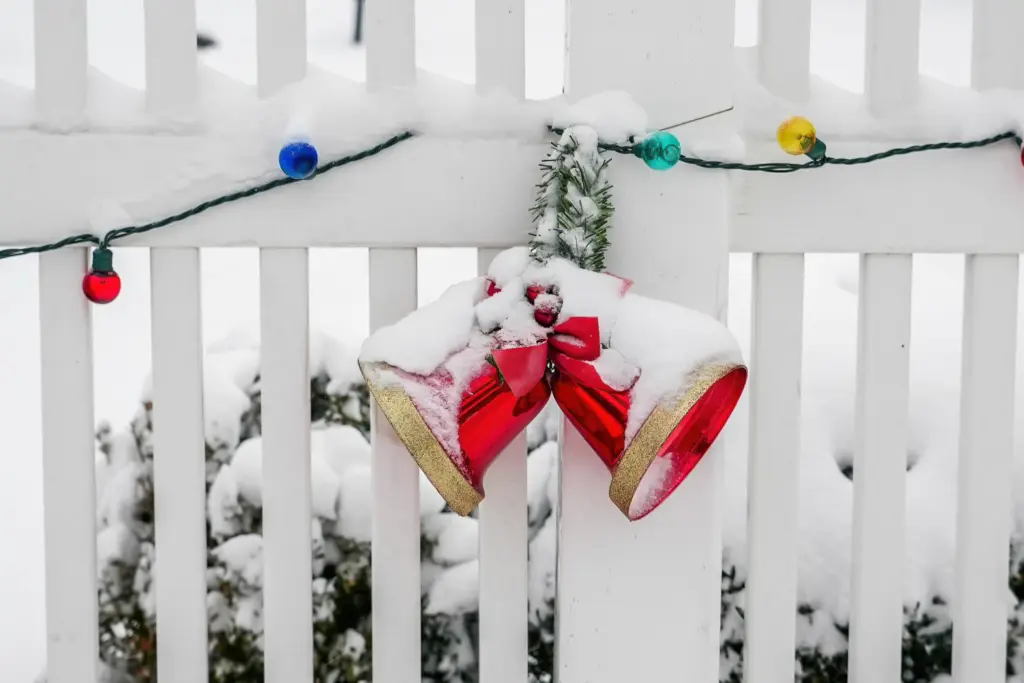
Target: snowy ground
339	284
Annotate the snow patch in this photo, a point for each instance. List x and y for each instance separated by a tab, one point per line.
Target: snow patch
224	403
455	591
541	571
311	108
613	114
328	356
424	339
615	371
508	265
342	447
222	506
242	556
456	539
539	467
241	366
355	517
116	543
940	112
121	496
492	312
247	470
667	342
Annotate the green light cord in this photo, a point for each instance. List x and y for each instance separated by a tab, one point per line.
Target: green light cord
773	167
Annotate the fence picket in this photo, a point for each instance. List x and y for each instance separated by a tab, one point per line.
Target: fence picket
893	35
986	464
390	43
501	63
62	61
179	465
396	510
503	560
501	46
785	48
623	613
284	380
280	44
997	52
774	471
876	621
171	63
179	456
68	468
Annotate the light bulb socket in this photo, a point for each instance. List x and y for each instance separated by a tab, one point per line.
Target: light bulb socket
817	152
102	260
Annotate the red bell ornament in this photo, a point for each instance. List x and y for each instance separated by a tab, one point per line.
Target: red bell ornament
649	385
486	417
653	436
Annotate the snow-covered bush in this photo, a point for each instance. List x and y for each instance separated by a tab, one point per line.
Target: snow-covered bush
823	638
341	562
340	531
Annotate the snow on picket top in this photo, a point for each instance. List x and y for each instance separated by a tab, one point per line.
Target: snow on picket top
940	112
314	107
234	142
241	127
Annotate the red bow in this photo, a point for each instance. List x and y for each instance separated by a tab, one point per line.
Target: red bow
571	347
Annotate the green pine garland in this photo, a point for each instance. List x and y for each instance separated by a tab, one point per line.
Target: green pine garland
574	208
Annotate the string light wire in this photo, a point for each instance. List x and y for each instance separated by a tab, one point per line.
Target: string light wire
770	167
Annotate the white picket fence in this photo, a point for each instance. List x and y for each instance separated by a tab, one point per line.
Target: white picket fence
635	602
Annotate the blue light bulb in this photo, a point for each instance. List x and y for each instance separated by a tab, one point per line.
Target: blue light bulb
298	160
660	150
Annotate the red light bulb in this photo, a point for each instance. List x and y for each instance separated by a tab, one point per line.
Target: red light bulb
533	291
544	317
101	284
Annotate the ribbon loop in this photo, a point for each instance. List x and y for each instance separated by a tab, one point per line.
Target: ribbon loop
571	348
577	337
522	367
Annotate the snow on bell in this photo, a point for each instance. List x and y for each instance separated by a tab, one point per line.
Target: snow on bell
691	377
649	385
654	395
431	375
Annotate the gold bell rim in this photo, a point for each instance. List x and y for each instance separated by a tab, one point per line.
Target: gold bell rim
655	432
460	495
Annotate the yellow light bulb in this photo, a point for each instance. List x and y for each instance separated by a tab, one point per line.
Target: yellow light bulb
797	136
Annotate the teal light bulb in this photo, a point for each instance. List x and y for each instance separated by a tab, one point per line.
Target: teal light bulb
660	150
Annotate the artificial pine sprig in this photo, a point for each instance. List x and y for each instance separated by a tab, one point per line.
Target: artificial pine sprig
574	207
493	363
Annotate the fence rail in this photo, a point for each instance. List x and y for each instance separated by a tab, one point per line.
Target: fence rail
634	601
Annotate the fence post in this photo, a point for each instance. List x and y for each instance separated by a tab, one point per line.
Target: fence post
641	601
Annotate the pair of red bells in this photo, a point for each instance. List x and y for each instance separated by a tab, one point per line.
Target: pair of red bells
650	438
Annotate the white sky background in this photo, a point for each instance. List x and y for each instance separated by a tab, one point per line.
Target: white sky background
230	277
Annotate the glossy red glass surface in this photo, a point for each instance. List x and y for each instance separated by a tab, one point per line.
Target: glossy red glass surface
101	288
490	417
694	436
599	416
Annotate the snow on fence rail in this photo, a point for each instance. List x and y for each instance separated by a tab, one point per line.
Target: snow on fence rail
635	602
